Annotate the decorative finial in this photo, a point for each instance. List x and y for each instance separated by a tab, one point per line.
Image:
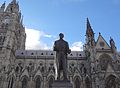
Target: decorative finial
4	2
89	29
111	38
22	19
99	33
3	5
88	23
14	1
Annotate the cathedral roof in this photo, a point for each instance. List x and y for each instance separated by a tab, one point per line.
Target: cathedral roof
47	54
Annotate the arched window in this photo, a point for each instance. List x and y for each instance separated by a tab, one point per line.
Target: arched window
77	82
38	83
50	82
87	83
111	82
24	83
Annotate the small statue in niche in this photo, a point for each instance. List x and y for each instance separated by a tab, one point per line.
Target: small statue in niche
30	67
51	68
41	67
72	68
19	68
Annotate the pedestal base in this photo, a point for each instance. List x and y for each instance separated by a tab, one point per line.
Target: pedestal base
62	84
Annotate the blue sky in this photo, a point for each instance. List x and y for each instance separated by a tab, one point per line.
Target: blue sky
50	17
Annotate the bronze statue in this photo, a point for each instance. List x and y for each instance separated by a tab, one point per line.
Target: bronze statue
62	49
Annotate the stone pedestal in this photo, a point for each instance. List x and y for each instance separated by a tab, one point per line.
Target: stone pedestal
62	84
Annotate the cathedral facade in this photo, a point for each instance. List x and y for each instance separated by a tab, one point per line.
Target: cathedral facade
97	66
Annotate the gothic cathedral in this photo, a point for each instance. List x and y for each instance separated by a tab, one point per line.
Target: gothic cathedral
97	66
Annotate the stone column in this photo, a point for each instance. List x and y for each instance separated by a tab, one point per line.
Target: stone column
17	83
5	82
30	83
44	82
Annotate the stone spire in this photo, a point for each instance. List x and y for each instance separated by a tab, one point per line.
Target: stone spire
89	31
112	44
13	7
2	8
89	35
14	1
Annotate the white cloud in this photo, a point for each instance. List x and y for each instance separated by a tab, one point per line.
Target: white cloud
33	39
77	46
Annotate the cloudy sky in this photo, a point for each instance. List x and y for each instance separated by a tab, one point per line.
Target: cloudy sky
45	19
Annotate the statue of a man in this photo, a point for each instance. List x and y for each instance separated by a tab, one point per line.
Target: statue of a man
62	49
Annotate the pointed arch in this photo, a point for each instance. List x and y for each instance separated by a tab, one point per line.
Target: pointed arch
105	59
24	81
77	82
50	81
87	82
37	82
112	82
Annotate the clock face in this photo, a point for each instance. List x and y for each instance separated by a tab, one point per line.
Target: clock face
102	44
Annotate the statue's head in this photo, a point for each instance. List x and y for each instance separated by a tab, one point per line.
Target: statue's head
61	35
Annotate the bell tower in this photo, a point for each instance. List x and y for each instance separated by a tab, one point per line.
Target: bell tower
12	32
